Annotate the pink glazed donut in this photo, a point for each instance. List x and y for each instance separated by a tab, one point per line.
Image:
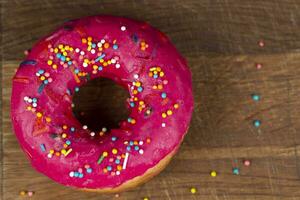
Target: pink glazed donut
135	56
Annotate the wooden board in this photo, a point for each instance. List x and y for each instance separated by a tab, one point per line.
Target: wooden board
219	40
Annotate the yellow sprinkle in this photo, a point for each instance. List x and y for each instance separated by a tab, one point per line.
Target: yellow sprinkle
67	47
169	112
119	167
49	62
51	151
39	114
161	74
71	49
213	173
54	66
56	50
95	67
105	154
68	152
158	69
114	151
109	62
22	193
65	145
29	107
176	105
86	60
89	38
133	121
106	45
101	60
65	127
63	151
90	43
193	190
138	84
68	59
154	87
145	198
164	115
42	78
141	102
65	53
64	135
60	46
104	64
160	86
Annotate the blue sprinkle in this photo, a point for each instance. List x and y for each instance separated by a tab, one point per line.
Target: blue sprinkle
100	68
128	148
72	129
93	45
115	46
155	76
28	62
131	143
34	100
58	55
236	171
89	170
114	138
140	89
136	148
70	62
135	38
255	97
132	104
41	71
76	71
256	123
76	89
163	95
100	57
46	82
40	89
80	175
68	142
109	168
63	58
76	174
69	92
43	148
117	161
129	119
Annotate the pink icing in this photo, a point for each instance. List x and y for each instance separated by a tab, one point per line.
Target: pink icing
140	48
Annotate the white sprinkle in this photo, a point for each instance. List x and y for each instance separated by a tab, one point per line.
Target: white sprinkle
141	151
136	76
26	98
34	105
49	155
141	142
71	174
82	53
72	105
117	172
92	134
104	129
37	74
113	61
99	44
123	28
93	51
102	41
29	100
118	65
84	127
85	64
77	50
163	124
125	160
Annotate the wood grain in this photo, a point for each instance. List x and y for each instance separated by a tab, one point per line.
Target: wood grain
219	40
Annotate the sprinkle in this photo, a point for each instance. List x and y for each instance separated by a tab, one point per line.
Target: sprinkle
115	46
261	43
43	148
123	28
163	125
125	160
193	190
213	173
40	89
68	152
84	127
100	57
236	171
103	155
39	114
258	66
255	97
114	151
141	151
146	198
22	193
92	134
28	62
30	193
247	163
118	65
256	123
163	95
114	138
71	174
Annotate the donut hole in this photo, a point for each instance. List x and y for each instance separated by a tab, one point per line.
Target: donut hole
100	103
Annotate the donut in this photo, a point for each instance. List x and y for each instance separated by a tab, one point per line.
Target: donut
134	55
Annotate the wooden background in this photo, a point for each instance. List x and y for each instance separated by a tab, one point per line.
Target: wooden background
219	39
